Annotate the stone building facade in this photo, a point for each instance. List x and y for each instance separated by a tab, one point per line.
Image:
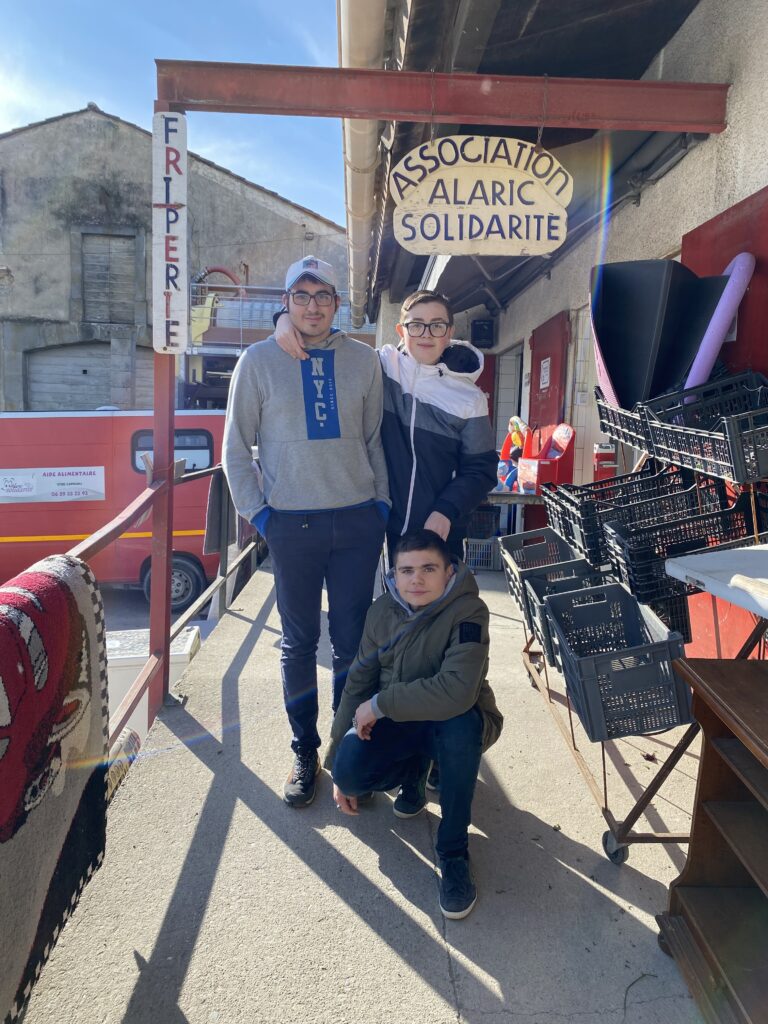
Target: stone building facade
75	255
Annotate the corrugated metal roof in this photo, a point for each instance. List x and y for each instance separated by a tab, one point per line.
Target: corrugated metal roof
580	38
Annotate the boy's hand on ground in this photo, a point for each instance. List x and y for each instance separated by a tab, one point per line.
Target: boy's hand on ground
438	523
346	804
289	339
364	720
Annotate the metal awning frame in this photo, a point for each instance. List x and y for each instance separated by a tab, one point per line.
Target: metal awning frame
585	103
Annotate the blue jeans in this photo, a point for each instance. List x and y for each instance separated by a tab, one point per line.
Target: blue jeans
398	751
340	549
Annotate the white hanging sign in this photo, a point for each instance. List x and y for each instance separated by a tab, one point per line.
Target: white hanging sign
170	294
480	195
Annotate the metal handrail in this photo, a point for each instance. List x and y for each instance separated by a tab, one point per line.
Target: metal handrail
108	533
130	515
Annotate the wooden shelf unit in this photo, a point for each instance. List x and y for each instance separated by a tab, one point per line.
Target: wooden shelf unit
716	925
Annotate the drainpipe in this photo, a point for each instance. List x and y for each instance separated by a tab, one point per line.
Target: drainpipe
361	25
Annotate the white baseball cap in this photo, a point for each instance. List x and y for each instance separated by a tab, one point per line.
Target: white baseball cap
310	266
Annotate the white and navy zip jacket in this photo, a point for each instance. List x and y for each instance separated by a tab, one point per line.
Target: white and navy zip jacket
438	441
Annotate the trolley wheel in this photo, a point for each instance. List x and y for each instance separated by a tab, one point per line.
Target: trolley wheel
615	853
663	944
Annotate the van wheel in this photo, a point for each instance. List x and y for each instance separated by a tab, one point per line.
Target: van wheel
187	583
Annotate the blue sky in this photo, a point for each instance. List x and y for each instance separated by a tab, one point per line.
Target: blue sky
58	56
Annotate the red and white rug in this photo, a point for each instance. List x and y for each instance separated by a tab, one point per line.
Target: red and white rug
54	721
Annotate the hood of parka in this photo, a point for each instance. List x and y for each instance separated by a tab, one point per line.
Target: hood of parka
462	582
460	359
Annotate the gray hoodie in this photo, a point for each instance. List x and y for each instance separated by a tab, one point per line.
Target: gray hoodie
317	424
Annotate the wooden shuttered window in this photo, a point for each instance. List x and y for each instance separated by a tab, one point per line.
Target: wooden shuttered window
109	278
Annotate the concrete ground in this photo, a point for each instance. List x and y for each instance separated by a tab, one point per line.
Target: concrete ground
217	902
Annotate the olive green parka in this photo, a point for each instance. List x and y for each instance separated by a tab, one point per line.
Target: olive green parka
425	665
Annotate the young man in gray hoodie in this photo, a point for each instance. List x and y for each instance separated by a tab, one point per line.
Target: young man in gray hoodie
320	497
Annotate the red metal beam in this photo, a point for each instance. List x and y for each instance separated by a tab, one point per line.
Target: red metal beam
587	103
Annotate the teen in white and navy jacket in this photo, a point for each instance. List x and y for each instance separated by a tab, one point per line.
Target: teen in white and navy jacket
437	437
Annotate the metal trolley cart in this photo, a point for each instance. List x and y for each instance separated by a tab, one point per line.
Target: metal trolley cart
615	654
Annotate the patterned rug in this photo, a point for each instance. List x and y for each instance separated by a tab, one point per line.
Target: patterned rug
53	744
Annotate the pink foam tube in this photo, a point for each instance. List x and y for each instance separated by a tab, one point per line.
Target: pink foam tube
739	273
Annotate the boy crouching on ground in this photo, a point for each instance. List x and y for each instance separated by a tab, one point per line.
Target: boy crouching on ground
417	692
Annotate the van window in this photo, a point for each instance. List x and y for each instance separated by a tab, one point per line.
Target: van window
194	446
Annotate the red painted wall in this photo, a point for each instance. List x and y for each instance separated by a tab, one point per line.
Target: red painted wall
719	629
547	395
487	381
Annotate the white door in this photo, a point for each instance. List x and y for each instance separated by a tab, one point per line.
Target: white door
508	390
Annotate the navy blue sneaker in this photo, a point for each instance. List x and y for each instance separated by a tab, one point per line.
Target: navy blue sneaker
412	798
458	894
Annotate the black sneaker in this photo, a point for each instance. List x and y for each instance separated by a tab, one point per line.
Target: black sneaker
433	779
299	788
458	894
411	799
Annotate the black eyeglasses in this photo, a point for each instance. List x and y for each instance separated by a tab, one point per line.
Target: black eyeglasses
417	328
321	298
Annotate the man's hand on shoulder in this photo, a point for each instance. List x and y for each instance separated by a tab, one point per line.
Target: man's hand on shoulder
364	720
346	804
289	339
439	524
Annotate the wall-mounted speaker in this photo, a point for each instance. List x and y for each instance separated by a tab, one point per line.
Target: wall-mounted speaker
481	333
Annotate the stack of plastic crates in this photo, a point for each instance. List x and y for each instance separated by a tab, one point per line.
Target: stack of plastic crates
638	552
541	583
720	428
481	550
523	554
616	657
581	511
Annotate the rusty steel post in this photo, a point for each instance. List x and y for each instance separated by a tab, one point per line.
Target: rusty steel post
162	529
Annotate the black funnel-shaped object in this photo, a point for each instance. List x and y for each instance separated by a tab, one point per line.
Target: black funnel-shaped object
648	318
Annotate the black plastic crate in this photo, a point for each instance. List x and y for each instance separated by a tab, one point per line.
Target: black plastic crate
719	428
616	486
554	506
638	552
704	405
663	495
627	427
671	502
534	549
561	501
483	522
617	661
581	575
674	613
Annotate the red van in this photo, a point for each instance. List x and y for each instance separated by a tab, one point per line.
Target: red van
63	475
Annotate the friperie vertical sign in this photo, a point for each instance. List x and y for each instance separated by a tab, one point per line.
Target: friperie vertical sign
170	312
480	195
